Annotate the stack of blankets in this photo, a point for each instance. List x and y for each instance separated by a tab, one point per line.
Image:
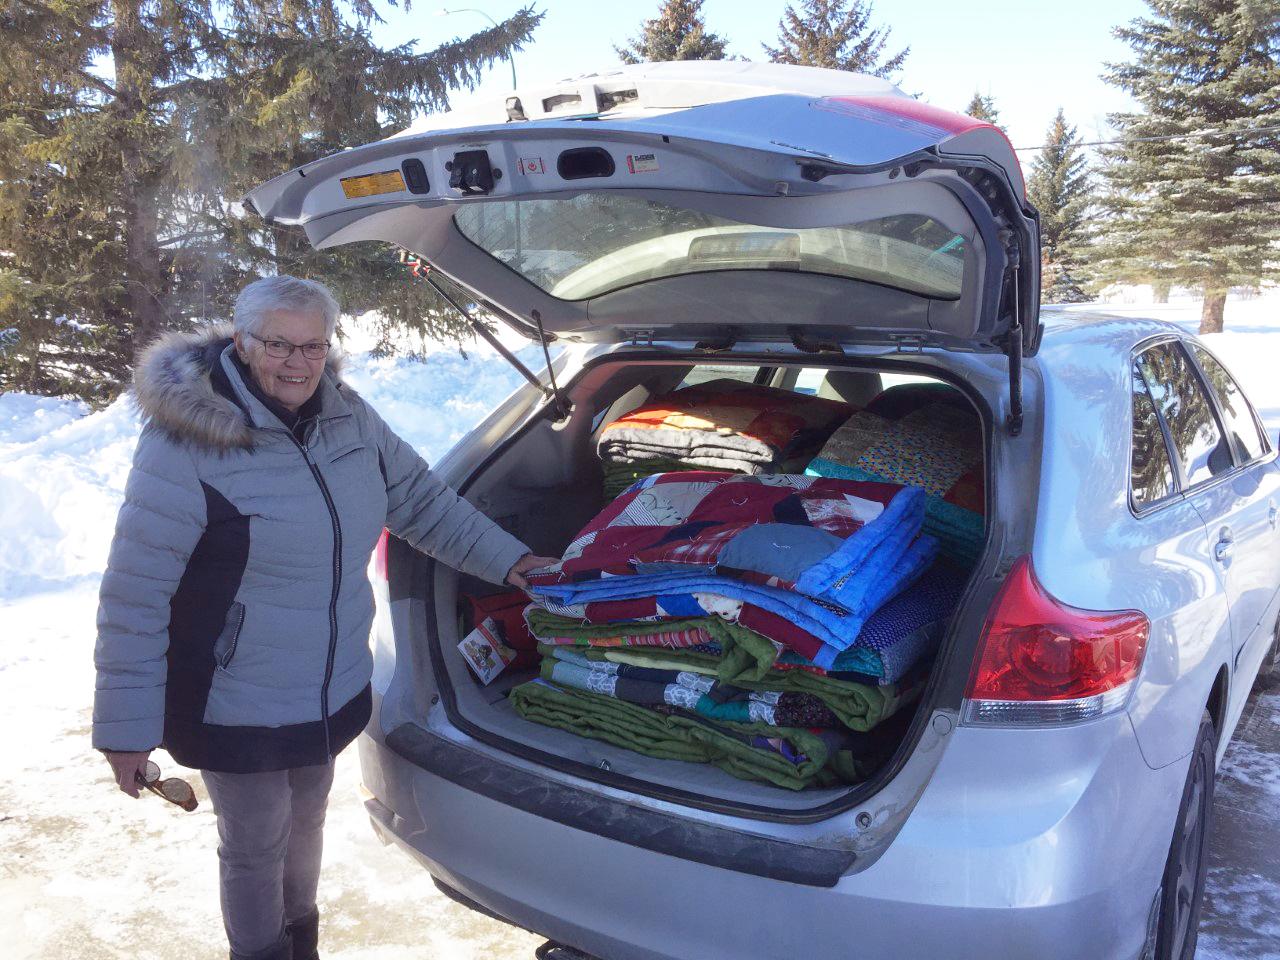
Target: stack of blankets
718	425
761	623
927	436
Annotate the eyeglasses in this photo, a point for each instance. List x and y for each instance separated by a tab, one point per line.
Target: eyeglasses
174	790
283	349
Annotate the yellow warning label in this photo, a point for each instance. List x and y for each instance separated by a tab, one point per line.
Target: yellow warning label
372	184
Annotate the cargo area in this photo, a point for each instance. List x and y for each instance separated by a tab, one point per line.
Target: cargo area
555	478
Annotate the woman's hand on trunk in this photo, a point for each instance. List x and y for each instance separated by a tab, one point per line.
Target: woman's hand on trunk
522	566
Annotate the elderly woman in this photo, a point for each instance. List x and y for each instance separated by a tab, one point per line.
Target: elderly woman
235	611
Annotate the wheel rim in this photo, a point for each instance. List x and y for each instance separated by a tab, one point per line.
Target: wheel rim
1190	855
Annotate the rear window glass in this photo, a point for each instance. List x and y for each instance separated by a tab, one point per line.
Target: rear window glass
1182	403
706	372
1235	408
579	247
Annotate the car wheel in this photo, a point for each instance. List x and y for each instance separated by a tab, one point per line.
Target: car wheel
1182	888
1269	672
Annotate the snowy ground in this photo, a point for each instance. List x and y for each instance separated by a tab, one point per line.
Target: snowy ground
87	872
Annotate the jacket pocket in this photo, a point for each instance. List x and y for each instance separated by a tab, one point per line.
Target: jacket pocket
224	648
344	454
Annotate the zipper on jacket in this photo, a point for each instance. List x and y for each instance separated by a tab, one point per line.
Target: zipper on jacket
235	639
333	596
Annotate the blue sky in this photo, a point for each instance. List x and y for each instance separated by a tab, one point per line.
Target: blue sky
1031	56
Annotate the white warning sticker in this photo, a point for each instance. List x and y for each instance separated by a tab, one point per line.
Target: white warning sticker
532	165
642	163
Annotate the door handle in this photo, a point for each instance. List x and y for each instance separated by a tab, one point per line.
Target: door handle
1226	543
1272	513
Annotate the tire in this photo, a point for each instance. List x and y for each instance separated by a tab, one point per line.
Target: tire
1182	888
1269	672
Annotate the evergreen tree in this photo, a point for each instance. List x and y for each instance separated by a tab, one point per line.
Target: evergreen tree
678	32
1061	189
128	128
1194	187
835	34
983	108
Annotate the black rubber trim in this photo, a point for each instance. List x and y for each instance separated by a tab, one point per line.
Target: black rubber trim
662	833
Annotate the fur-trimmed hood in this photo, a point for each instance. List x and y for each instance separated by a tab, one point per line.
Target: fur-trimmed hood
174	387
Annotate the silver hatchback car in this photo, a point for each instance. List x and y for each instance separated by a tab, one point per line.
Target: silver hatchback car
816	231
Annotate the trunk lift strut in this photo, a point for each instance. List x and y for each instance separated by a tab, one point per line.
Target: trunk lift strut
552	392
1013	349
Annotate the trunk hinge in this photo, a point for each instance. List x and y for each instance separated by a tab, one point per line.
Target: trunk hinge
551	392
1013	349
805	343
908	344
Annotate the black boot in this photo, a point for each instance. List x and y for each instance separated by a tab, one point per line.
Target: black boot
306	935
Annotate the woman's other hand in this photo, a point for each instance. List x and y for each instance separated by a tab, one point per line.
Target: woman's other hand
524	565
127	766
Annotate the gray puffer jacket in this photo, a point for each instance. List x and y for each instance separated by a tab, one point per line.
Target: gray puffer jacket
233	626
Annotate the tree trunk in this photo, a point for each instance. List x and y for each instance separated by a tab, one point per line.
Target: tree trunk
142	276
31	379
1215	301
1160	291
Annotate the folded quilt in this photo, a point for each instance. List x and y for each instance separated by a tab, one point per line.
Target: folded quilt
930	448
959	531
740	652
723	425
938	448
857	664
623	674
831	624
821	554
784	756
691	691
905	631
619	476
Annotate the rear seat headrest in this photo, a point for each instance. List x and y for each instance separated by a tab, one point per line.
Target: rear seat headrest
856	387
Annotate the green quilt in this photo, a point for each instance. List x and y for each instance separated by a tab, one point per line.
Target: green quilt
726	744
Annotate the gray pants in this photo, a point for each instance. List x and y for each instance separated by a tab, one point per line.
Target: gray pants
270	828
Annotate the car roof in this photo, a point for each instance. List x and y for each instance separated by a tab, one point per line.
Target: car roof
1068	330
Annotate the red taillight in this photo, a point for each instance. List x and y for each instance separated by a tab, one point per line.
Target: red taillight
1037	650
380	556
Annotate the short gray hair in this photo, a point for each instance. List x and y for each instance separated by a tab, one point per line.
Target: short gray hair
265	296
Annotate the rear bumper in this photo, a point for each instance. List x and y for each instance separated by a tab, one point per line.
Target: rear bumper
1056	867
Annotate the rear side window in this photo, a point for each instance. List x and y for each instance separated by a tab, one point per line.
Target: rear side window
1150	472
1240	419
1198	442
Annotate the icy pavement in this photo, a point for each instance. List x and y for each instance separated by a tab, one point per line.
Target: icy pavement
1242	895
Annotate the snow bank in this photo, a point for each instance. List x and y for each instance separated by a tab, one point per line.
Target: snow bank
60	490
